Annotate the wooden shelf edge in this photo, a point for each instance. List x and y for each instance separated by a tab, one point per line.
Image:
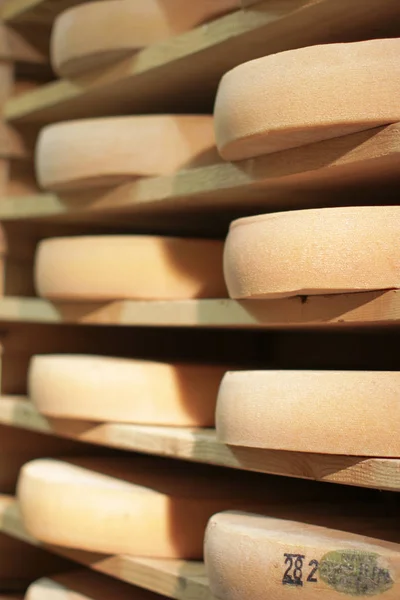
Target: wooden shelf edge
177	579
361	310
201	445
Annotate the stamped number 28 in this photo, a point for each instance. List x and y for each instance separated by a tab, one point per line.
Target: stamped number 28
294	570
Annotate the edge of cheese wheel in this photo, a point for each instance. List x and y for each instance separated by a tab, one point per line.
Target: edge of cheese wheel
326	412
307	95
112	150
118	267
98	388
121	507
97	33
311	252
84	584
250	557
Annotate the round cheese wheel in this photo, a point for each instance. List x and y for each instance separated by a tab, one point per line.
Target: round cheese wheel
85	585
102	268
307	95
328	412
122	506
250	557
109	151
97	33
318	251
19	445
98	388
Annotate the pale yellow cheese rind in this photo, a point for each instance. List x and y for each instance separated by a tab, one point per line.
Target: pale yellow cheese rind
250	557
307	95
121	506
98	388
91	153
97	33
318	251
328	412
102	268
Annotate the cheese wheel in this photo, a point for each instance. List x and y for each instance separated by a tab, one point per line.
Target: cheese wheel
97	33
98	388
130	506
85	585
250	557
19	445
307	95
102	268
328	412
109	151
318	251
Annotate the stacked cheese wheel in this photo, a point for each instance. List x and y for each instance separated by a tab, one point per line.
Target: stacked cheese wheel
100	388
99	33
136	506
250	557
91	153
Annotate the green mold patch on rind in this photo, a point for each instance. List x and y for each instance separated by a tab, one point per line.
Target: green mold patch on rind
355	572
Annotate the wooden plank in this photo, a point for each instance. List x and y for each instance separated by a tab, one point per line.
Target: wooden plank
178	579
160	77
201	445
361	310
322	174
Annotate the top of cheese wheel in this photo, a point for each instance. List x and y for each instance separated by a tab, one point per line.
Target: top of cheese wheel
111	150
307	95
97	33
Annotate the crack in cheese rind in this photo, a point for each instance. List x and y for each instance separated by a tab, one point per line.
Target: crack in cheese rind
316	251
307	95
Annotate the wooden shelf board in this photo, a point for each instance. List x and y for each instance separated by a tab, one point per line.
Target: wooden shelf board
161	77
178	579
201	445
361	310
322	174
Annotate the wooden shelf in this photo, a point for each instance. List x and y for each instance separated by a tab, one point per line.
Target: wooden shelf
361	310
321	174
161	77
201	445
182	580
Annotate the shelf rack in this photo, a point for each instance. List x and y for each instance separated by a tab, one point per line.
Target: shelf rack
363	169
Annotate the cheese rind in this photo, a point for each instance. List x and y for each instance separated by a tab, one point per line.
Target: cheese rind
250	557
102	268
98	388
119	506
112	150
307	95
318	251
98	33
328	412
